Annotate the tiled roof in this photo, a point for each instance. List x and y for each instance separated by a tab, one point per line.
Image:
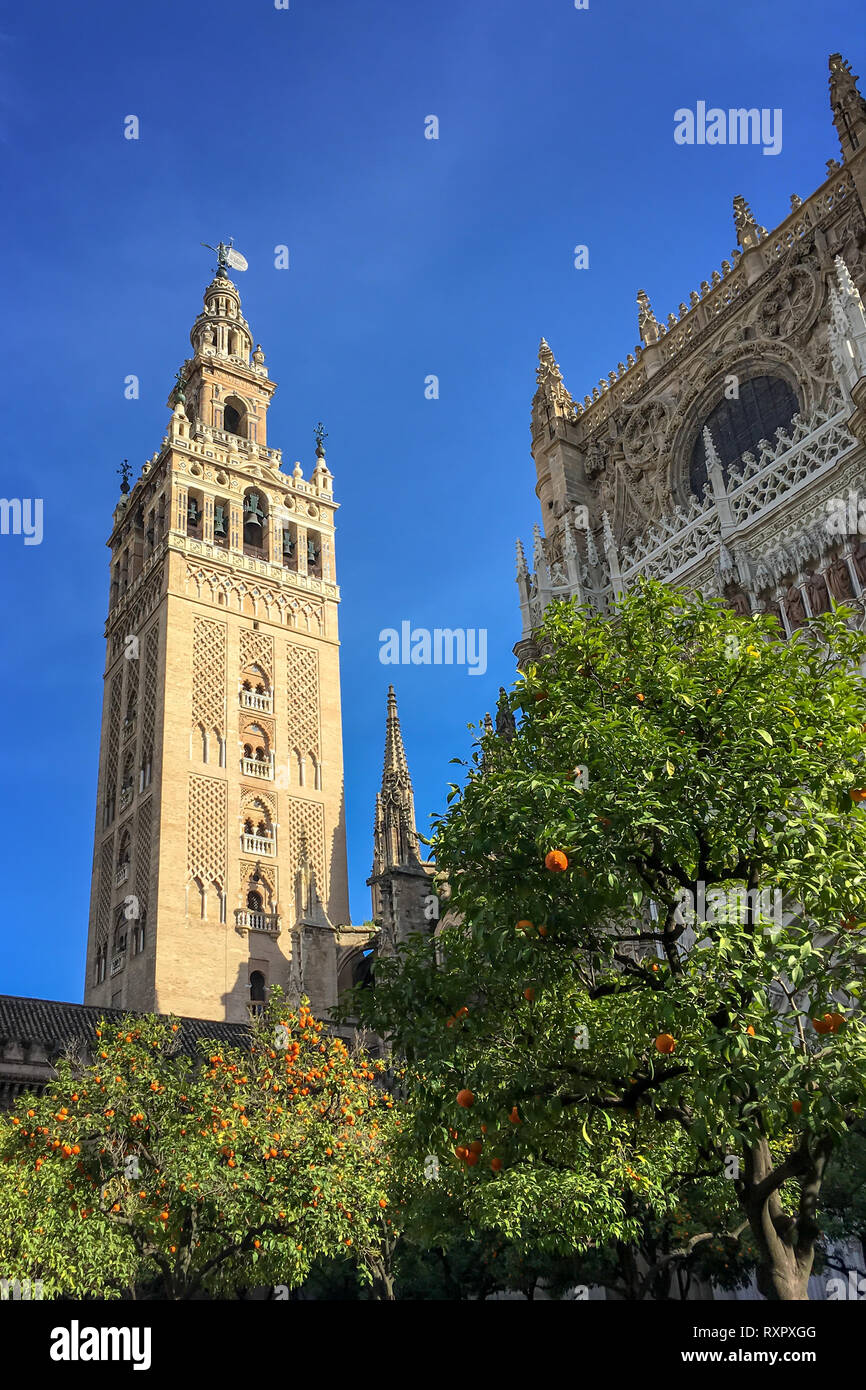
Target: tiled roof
52	1021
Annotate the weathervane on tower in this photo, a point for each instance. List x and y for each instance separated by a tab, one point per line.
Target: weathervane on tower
227	256
321	436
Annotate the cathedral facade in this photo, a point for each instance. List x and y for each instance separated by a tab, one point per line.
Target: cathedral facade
726	454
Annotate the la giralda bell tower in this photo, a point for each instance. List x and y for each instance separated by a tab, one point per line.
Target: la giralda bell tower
219	863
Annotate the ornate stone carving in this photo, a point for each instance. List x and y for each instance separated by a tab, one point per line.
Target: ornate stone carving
209	675
839	579
302	666
816	591
206	831
737	600
786	306
794	607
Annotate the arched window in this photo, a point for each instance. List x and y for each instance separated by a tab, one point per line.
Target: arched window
138	936
221	523
257	992
314	555
235	417
254	902
146	768
255	524
194	515
362	969
290	547
764	404
120	930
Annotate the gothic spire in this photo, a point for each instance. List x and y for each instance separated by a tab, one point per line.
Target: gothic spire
395	837
647	323
551	396
395	754
847	105
749	232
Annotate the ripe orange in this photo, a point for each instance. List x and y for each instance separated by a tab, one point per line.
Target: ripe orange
557	861
529	994
524	924
496	1164
542	930
471	1159
465	1098
665	1043
641	698
514	1117
476	1146
858	793
825	1024
796	1106
750	1030
461	1152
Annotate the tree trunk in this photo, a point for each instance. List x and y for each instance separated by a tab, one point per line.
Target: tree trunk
786	1244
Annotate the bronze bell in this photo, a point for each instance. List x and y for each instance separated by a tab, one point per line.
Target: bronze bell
220	527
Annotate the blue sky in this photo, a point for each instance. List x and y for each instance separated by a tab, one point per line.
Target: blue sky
408	257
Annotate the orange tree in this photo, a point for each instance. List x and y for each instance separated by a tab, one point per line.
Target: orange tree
657	882
236	1166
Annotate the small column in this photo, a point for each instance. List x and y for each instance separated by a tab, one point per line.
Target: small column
612	558
207	528
523	591
542	573
236	525
717	482
301	551
182	504
572	565
328	574
275	532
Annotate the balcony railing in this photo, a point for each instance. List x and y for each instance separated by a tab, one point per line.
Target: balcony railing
122	875
258	921
257	844
251	699
253	767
